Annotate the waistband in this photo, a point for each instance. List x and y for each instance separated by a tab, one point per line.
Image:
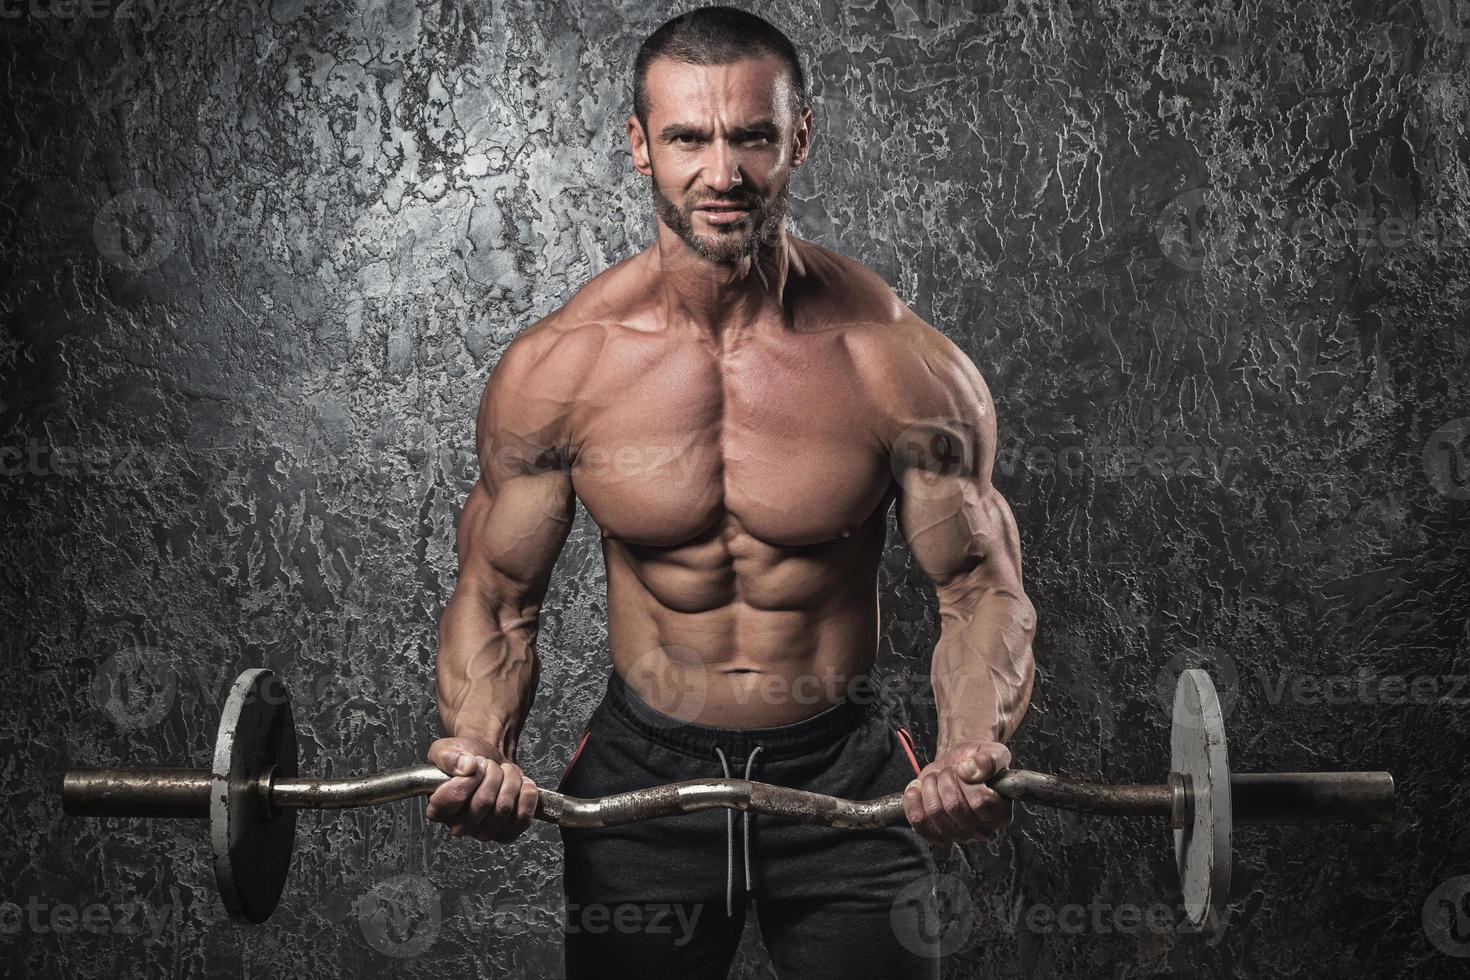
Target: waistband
783	741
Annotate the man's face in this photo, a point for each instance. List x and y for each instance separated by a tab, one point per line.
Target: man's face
720	145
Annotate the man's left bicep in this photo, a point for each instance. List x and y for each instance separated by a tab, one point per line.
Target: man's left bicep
962	534
959	527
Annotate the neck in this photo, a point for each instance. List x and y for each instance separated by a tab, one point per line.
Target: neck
722	300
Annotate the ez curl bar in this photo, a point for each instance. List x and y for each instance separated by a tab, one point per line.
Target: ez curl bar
252	791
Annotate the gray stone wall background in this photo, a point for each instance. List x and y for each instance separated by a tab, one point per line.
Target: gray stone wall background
261	256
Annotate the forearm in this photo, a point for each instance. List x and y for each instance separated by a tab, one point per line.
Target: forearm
487	668
983	667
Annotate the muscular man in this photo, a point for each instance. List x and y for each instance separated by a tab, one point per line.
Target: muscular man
737	409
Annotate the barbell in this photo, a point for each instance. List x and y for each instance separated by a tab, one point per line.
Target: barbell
252	791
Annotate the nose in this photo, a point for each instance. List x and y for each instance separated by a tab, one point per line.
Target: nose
723	170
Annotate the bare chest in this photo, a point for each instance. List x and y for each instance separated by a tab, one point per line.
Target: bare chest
674	443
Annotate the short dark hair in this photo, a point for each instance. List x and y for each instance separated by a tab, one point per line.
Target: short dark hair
715	36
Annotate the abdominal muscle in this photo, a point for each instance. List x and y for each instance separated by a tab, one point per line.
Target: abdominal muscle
734	633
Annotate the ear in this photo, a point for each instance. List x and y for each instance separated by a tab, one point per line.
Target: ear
802	138
638	141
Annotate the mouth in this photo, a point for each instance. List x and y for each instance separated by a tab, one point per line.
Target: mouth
722	214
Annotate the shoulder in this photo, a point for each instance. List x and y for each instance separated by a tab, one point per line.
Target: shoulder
841	292
911	369
541	375
935	411
552	358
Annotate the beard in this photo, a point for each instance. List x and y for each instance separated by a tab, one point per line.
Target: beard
726	244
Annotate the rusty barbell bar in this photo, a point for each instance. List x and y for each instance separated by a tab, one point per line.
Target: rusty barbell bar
1281	798
252	793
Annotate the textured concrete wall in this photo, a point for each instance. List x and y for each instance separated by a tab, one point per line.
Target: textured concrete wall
262	255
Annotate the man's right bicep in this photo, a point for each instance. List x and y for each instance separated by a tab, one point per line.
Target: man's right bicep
521	509
512	529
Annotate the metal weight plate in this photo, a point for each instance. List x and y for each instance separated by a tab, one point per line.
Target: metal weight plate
1202	847
252	845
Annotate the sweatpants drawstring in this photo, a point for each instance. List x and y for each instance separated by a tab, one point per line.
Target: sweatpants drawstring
730	835
729	845
746	819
